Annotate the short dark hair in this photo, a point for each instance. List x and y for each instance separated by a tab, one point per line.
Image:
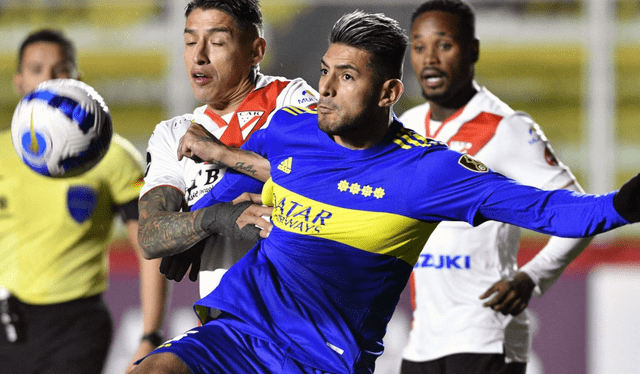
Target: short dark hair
246	13
458	7
50	36
377	34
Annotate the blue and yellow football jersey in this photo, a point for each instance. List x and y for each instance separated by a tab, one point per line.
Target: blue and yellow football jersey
349	226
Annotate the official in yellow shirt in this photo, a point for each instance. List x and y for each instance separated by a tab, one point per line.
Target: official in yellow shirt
53	238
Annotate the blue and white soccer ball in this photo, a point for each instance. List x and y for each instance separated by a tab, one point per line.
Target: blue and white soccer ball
61	129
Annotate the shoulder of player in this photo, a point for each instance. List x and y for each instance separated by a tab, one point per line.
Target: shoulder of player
263	80
519	124
510	120
176	123
292	119
414	112
294	114
485	101
442	159
122	155
171	130
289	86
294	91
414	118
121	147
410	140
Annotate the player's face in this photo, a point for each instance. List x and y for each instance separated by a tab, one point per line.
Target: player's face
217	56
41	61
442	62
348	91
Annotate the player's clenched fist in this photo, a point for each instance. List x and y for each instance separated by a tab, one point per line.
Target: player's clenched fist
199	145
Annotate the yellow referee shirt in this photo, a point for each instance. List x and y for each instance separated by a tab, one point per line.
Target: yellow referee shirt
54	232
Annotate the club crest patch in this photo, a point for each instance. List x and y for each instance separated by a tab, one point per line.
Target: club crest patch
472	164
81	202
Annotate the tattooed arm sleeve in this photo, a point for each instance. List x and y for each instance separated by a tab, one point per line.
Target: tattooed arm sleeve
163	229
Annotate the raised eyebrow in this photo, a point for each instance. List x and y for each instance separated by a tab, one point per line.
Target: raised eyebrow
341	66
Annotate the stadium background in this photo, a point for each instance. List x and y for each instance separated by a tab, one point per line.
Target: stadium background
535	55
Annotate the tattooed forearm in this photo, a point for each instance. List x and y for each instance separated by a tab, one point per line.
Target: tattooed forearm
163	230
246	169
249	163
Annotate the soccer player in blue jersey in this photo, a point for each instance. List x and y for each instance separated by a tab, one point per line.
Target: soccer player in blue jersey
355	197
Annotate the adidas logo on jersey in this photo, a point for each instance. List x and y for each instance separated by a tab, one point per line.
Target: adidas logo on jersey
285	166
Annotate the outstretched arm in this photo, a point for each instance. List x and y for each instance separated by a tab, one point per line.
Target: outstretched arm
512	296
200	145
165	231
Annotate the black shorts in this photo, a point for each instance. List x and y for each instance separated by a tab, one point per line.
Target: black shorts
72	337
464	363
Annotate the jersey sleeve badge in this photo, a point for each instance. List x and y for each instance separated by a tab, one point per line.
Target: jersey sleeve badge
472	164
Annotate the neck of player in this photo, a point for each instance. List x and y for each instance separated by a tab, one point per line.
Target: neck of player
442	109
232	99
370	133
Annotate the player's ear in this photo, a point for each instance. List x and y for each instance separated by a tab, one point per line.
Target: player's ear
258	48
390	93
17	83
475	50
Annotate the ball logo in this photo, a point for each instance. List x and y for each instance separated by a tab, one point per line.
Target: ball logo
34	144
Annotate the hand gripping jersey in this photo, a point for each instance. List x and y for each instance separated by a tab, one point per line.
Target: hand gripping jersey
196	179
54	231
349	226
460	262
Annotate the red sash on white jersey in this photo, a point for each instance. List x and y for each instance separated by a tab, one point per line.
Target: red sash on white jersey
256	107
476	132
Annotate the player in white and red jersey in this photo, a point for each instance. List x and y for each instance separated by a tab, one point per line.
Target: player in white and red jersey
196	179
452	330
223	47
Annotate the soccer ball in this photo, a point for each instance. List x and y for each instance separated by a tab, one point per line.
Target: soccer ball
61	129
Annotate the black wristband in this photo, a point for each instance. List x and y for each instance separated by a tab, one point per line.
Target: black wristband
154	338
221	219
627	200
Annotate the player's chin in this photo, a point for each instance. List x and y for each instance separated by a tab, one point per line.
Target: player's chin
328	126
202	94
436	95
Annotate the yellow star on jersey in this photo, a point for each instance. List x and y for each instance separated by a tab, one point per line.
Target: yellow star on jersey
343	186
354	189
367	191
378	193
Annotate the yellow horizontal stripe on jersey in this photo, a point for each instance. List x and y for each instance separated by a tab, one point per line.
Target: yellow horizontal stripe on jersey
375	232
